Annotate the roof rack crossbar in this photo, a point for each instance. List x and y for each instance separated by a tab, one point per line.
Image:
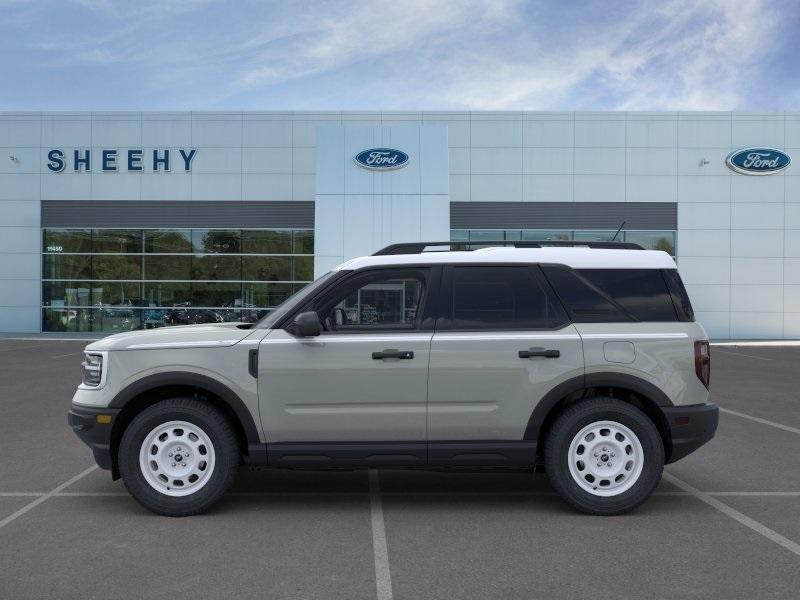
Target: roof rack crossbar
419	247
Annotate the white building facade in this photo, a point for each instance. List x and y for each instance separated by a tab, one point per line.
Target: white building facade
117	221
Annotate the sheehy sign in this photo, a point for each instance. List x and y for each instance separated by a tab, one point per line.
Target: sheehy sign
112	160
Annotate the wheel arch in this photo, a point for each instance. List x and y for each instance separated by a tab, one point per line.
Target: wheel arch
628	388
151	389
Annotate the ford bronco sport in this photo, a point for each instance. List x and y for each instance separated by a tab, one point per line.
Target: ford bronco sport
583	359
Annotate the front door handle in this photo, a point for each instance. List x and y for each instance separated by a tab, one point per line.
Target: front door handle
401	354
544	352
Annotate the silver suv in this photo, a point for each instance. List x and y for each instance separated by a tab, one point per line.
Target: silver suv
581	359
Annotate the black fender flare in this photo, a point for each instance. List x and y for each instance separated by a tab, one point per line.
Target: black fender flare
185	378
590	380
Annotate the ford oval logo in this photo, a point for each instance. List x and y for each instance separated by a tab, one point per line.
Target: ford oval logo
381	159
758	161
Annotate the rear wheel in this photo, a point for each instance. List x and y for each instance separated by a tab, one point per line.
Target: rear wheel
178	456
604	456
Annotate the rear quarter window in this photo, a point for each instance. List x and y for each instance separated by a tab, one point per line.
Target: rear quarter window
615	295
641	292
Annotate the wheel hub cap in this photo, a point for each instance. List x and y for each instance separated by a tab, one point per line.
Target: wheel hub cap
177	458
605	458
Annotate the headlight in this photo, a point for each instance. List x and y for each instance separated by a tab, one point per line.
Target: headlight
92	369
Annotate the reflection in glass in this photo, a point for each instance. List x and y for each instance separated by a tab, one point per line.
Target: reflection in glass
216	267
168	267
117	240
66	266
122	279
168	240
267	268
166	294
216	294
122	266
67	240
266	295
226	241
266	242
653	240
304	241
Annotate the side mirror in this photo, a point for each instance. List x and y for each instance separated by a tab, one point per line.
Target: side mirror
307	324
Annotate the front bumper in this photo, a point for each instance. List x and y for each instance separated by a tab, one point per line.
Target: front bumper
93	431
690	427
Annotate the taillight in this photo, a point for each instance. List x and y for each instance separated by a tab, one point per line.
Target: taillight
702	361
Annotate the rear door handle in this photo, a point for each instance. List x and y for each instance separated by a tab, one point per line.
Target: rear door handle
401	354
544	352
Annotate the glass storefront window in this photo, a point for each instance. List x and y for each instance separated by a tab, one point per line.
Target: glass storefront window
216	268
227	241
120	266
653	240
67	240
267	242
303	242
67	266
650	240
556	235
111	280
116	240
168	267
168	241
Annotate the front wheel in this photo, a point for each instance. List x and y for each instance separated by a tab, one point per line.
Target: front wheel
604	456
178	457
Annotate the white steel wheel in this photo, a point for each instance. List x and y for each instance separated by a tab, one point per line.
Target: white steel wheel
177	458
605	458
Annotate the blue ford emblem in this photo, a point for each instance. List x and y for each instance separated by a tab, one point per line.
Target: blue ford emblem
381	159
758	161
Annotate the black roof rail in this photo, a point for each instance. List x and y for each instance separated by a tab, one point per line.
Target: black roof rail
419	247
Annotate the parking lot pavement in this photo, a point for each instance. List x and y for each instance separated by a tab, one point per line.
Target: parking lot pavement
724	523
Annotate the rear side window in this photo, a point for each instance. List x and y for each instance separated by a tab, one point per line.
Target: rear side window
502	298
641	292
585	302
679	296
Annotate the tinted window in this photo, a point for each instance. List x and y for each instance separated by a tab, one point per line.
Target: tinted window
584	303
641	292
679	296
502	298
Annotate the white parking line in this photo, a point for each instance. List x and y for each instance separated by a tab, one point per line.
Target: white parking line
44	497
734	514
762	421
383	578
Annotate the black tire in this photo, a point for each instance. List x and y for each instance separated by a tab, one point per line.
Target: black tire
226	456
581	414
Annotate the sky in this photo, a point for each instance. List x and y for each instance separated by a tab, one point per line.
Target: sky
399	55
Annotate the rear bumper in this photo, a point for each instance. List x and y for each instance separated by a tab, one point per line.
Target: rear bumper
96	435
690	427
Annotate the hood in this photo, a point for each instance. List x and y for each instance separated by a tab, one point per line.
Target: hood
182	336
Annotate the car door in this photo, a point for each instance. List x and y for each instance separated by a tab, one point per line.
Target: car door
364	380
502	342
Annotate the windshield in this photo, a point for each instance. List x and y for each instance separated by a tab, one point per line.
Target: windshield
293	301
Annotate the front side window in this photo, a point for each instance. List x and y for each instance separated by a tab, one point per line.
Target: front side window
382	301
502	298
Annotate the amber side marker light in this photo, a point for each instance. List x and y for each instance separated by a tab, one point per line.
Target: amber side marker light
104	419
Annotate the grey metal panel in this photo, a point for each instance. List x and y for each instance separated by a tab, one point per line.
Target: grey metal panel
183	213
563	215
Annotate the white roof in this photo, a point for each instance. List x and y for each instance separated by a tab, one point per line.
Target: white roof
576	257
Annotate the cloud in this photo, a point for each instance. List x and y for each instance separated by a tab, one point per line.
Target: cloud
452	54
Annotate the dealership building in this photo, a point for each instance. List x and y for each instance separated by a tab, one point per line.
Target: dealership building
117	221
